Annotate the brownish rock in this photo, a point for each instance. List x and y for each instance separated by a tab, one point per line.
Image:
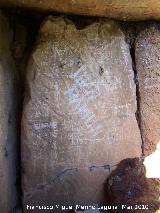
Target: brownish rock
148	69
79	112
128	187
117	9
8	196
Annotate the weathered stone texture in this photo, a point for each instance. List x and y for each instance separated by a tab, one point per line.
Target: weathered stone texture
7	124
128	186
79	112
118	9
148	68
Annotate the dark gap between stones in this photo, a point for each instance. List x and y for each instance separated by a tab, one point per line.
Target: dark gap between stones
25	29
138	98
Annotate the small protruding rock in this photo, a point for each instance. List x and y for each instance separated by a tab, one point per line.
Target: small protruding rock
127	186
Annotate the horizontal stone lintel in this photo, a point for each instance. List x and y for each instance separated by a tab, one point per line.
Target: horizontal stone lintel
122	10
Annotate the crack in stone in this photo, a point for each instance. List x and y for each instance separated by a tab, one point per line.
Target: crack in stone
138	98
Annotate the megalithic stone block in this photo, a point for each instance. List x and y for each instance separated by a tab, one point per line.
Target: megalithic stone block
8	136
148	69
117	9
79	112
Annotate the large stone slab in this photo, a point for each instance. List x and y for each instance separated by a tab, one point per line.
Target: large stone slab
148	69
8	196
117	9
79	112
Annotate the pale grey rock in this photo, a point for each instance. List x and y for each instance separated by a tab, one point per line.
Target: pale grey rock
79	112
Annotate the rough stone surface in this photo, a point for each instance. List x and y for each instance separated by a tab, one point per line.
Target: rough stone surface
148	69
79	112
123	10
128	187
8	196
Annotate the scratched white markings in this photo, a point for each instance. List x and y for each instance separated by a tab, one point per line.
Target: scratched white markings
36	108
74	136
47	125
85	128
57	95
125	53
79	97
83	85
51	126
83	89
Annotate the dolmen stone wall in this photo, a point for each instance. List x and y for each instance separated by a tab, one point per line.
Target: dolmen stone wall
79	112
